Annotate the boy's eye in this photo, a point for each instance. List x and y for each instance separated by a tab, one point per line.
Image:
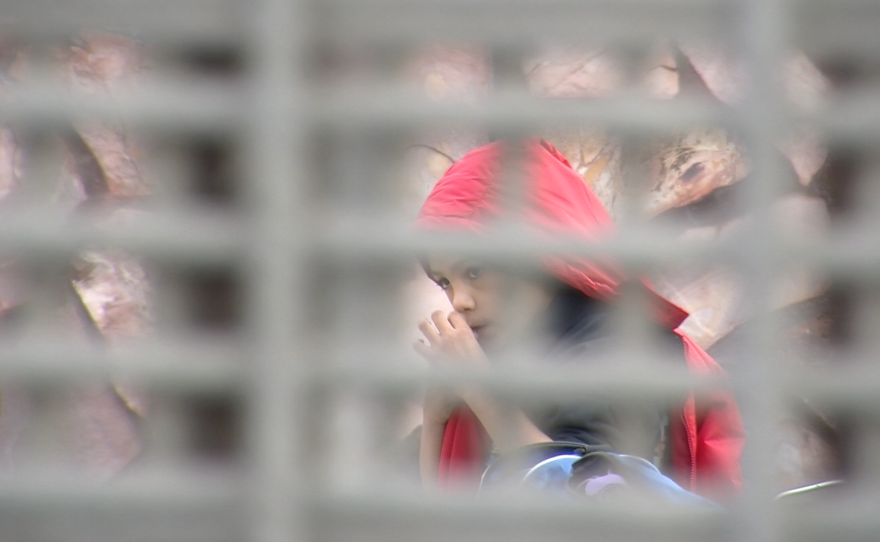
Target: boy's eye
474	272
443	283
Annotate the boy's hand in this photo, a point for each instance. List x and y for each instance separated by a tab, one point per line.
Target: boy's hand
448	339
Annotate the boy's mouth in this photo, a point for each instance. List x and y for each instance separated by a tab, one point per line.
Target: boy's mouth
477	331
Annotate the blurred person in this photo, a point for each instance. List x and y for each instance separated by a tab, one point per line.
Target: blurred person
697	443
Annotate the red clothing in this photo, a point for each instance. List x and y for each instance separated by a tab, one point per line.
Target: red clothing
707	437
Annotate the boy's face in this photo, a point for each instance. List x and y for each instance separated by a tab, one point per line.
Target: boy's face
486	296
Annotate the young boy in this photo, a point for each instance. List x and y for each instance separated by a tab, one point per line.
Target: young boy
567	304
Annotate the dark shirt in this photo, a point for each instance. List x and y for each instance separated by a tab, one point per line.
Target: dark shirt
581	331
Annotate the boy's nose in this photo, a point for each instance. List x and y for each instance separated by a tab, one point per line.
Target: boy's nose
462	300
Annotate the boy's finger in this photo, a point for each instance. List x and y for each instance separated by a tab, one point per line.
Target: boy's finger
422	348
429	331
441	321
457	321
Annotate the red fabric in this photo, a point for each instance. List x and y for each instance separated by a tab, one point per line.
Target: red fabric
464	450
708	440
708	437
